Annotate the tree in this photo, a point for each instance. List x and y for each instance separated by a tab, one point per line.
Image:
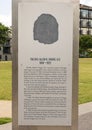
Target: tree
4	33
85	44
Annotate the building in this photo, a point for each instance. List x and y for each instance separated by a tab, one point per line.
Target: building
6	51
85	28
85	20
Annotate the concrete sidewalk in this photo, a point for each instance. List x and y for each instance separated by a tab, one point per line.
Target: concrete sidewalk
5	109
85	116
85	121
85	108
6	126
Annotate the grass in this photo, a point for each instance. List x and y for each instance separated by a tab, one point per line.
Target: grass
5	80
85	80
5	120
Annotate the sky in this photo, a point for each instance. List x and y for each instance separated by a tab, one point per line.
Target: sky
86	2
5	10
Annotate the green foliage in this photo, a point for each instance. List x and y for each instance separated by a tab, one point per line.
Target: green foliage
90	54
5	120
85	44
85	80
4	33
5	80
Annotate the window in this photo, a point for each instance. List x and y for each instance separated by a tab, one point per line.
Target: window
83	13
90	23
90	14
84	23
0	57
84	31
6	50
6	58
90	32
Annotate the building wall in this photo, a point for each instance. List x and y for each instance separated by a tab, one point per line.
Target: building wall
85	28
6	56
1	52
85	20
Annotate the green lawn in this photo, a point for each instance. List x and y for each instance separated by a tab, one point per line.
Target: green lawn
5	120
5	80
85	80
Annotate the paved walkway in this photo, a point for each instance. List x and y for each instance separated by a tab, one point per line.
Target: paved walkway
5	109
85	108
85	115
85	121
6	126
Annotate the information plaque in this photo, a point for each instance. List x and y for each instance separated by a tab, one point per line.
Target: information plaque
45	48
